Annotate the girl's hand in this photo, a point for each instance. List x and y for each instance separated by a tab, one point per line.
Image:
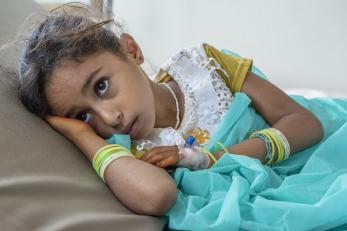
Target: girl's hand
162	156
69	127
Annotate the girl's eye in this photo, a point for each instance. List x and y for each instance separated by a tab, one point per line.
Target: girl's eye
84	116
102	86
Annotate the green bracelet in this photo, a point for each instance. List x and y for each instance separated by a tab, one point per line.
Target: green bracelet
104	152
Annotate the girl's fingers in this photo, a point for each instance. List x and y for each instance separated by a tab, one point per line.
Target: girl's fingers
66	125
157	150
158	157
57	120
51	119
169	161
48	117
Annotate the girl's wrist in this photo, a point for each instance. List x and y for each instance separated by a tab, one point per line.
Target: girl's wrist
89	143
193	158
81	131
217	155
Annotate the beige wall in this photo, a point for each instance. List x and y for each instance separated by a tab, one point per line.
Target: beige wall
297	43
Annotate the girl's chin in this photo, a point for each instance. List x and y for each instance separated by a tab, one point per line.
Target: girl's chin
144	131
106	137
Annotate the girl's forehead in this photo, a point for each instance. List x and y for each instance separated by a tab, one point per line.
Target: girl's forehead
84	66
73	67
69	78
66	82
70	71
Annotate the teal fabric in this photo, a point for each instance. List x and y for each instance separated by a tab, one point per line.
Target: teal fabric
122	139
306	192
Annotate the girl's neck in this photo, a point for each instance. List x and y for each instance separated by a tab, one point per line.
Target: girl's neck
165	104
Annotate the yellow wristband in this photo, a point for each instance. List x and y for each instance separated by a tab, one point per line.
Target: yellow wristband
207	152
223	147
105	152
278	142
108	160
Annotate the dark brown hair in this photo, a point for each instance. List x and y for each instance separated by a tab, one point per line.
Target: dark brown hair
59	35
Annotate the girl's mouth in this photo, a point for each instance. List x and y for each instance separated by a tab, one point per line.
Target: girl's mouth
133	128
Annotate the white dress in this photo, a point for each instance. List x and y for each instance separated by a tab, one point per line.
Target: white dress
206	96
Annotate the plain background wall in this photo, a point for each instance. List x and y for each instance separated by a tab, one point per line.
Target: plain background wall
297	43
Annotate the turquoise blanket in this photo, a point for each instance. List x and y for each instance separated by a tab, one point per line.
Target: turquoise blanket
306	192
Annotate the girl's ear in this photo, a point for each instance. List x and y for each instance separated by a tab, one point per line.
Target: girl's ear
130	46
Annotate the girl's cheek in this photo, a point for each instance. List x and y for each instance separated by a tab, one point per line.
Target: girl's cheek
102	132
93	124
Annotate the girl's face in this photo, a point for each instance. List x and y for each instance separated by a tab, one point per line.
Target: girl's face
112	94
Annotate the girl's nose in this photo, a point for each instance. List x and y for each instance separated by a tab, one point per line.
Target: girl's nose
110	118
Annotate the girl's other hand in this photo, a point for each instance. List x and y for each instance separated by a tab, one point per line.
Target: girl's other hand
67	126
162	156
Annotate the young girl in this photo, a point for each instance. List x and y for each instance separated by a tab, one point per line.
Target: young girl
203	105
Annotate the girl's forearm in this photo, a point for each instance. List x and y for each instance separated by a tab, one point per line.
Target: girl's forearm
253	147
301	130
89	143
142	187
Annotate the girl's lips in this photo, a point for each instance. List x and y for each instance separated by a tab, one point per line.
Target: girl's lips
133	128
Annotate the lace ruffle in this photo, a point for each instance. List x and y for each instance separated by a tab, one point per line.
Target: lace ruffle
197	76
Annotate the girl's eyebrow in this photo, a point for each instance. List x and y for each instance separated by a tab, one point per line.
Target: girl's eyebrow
89	80
85	87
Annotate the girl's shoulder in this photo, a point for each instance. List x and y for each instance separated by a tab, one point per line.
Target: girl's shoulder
231	68
206	95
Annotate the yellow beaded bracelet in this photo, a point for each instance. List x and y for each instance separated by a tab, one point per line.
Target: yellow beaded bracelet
269	145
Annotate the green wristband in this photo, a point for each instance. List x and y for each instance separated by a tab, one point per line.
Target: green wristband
103	153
